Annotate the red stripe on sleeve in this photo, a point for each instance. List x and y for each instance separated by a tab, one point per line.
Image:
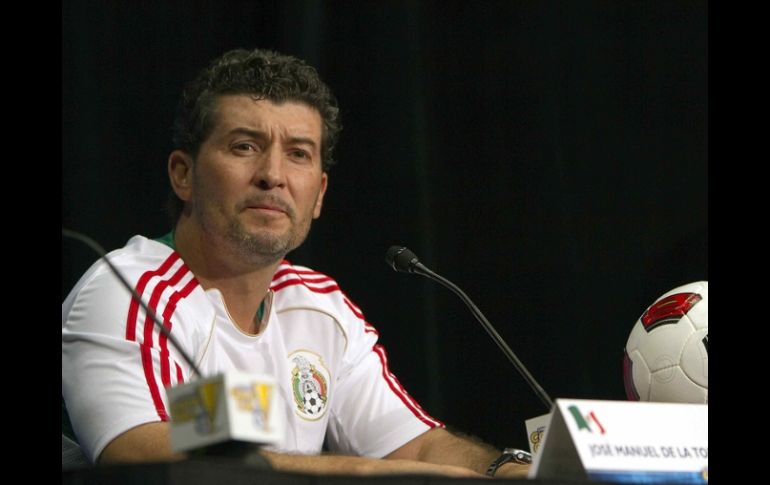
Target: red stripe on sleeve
146	347
151	384
133	308
291	270
167	313
353	308
399	391
179	376
292	282
149	324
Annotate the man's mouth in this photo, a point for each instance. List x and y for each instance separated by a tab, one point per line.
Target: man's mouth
269	207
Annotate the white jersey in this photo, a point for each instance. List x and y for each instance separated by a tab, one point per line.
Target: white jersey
333	376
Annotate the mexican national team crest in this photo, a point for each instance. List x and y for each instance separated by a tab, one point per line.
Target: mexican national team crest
309	384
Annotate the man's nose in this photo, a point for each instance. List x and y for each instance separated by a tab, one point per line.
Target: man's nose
269	171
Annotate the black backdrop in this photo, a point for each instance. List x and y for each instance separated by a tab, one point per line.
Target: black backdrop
549	157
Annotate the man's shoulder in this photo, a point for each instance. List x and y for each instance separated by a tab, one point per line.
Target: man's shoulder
302	278
150	269
140	260
142	254
294	284
142	248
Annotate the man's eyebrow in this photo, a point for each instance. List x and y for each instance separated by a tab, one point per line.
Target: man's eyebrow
248	132
301	140
295	140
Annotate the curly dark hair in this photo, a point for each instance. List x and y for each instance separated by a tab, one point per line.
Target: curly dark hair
261	73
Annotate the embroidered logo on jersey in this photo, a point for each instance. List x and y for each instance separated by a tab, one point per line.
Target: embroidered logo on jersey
309	384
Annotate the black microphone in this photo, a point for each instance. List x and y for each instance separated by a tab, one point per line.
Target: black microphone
402	259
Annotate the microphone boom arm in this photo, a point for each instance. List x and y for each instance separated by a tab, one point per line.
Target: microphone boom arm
423	270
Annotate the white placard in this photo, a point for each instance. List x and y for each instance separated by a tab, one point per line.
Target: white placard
536	428
621	441
234	406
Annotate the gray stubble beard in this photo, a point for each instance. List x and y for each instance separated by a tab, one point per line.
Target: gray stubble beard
264	248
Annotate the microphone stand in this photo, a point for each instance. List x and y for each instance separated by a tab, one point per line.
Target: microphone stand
402	259
544	397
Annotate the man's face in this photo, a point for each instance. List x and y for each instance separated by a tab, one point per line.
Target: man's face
257	180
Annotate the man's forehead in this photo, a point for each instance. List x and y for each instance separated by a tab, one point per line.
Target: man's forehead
290	121
243	108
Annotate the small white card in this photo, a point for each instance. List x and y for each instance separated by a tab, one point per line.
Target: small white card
536	428
231	406
623	441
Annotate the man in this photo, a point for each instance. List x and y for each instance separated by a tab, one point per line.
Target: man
254	137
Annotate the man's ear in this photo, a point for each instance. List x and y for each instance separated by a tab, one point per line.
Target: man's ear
320	199
180	167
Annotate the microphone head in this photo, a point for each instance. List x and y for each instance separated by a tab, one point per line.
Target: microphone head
401	259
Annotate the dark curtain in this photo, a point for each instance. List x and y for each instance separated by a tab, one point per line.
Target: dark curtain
549	157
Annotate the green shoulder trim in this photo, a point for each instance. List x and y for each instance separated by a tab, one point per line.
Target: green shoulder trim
167	239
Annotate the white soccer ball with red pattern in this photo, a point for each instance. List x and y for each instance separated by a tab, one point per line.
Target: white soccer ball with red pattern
666	356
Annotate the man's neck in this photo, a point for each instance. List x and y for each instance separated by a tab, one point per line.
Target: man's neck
243	285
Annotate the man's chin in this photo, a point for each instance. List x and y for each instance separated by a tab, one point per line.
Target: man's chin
264	243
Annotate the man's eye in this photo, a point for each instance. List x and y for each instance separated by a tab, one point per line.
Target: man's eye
300	154
245	147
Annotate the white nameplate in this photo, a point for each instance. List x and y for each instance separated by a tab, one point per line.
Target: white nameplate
622	441
234	406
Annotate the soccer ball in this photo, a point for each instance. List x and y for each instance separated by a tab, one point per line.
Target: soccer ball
666	357
313	403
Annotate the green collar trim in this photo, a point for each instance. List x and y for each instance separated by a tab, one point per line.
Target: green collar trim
261	311
167	239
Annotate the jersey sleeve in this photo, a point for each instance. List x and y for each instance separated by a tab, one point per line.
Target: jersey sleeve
115	362
372	414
